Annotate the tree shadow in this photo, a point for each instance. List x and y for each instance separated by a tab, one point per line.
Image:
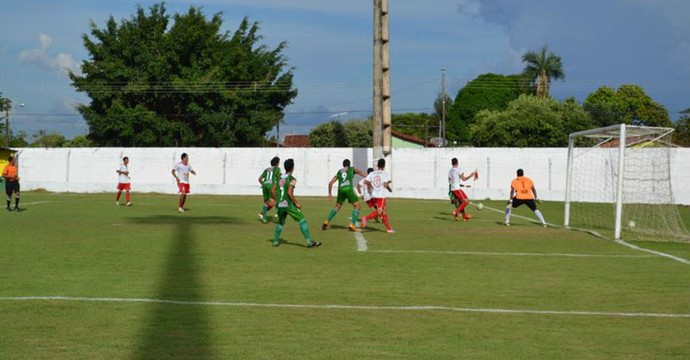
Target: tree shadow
173	330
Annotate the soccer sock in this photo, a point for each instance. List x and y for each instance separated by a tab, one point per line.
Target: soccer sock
374	214
279	229
355	216
126	196
8	202
508	215
269	207
117	198
264	210
182	202
385	222
540	216
461	208
331	214
16	201
305	230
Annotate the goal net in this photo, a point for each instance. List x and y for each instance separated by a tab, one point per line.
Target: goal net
619	184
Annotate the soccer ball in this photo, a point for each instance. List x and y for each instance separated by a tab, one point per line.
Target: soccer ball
631	224
480	206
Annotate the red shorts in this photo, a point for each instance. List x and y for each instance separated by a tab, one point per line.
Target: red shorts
459	194
371	203
123	186
379	203
184	188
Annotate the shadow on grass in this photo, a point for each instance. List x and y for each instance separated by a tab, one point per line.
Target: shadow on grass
178	331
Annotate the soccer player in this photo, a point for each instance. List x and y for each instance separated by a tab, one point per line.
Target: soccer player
345	178
522	191
288	205
123	181
11	176
181	173
268	180
379	181
455	178
363	190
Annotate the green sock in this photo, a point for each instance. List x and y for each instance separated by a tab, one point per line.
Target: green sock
305	231
279	229
264	210
331	214
355	216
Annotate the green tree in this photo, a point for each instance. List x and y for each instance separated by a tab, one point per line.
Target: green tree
682	134
486	92
79	141
529	121
5	108
625	105
18	140
359	133
542	67
43	138
154	80
328	134
420	125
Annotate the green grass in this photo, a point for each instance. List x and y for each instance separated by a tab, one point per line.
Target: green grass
82	246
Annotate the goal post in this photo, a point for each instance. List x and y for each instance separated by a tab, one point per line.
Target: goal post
618	183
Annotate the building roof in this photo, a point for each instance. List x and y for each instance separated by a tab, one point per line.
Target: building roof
296	141
409	138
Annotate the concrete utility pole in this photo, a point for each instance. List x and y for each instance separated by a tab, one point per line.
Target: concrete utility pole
382	81
443	104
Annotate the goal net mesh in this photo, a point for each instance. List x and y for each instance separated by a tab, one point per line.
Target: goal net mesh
649	211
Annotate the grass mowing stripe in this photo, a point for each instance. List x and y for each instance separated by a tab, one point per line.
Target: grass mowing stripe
510	254
348	307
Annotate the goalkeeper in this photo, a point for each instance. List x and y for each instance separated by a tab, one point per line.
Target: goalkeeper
522	191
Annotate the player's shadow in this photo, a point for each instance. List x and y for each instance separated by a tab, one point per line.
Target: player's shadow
289	243
178	330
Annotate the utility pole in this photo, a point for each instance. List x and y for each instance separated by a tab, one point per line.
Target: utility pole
443	101
382	87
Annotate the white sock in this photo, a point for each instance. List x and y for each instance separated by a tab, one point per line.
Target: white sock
540	216
508	215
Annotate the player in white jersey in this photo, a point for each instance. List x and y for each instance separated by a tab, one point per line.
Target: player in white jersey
123	181
455	179
363	190
379	182
181	173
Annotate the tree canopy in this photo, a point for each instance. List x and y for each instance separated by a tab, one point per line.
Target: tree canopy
682	134
353	133
157	81
542	67
626	105
486	92
529	121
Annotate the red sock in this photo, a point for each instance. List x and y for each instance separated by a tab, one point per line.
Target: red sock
373	215
181	203
117	198
269	207
385	222
461	208
127	196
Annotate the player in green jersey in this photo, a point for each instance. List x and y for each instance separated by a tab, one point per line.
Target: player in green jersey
268	180
288	205
346	191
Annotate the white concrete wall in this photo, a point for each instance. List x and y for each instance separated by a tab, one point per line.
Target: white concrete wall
416	173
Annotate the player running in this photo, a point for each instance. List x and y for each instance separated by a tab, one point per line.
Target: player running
363	190
379	181
522	191
181	173
123	182
345	178
455	178
288	205
269	180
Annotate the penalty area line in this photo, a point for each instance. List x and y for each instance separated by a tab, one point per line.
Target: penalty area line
361	242
350	307
483	253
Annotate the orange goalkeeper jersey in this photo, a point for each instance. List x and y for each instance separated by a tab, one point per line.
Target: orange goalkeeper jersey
523	188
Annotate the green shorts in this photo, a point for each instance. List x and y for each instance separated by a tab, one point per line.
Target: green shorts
268	191
348	195
295	214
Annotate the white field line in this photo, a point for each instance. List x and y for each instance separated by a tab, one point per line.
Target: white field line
361	242
35	203
481	253
348	307
620	242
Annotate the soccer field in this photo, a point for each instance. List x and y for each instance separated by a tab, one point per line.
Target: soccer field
82	278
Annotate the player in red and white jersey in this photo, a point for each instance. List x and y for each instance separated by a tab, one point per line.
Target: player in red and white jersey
455	179
123	181
379	182
181	173
363	190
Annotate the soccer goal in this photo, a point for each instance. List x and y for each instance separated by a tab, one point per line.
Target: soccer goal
619	184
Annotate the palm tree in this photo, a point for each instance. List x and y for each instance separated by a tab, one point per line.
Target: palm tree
542	67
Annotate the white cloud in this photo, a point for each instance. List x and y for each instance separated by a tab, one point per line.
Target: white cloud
60	64
469	7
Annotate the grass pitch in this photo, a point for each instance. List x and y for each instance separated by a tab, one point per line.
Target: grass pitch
82	278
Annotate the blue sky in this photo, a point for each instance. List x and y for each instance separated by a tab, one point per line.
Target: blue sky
611	42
